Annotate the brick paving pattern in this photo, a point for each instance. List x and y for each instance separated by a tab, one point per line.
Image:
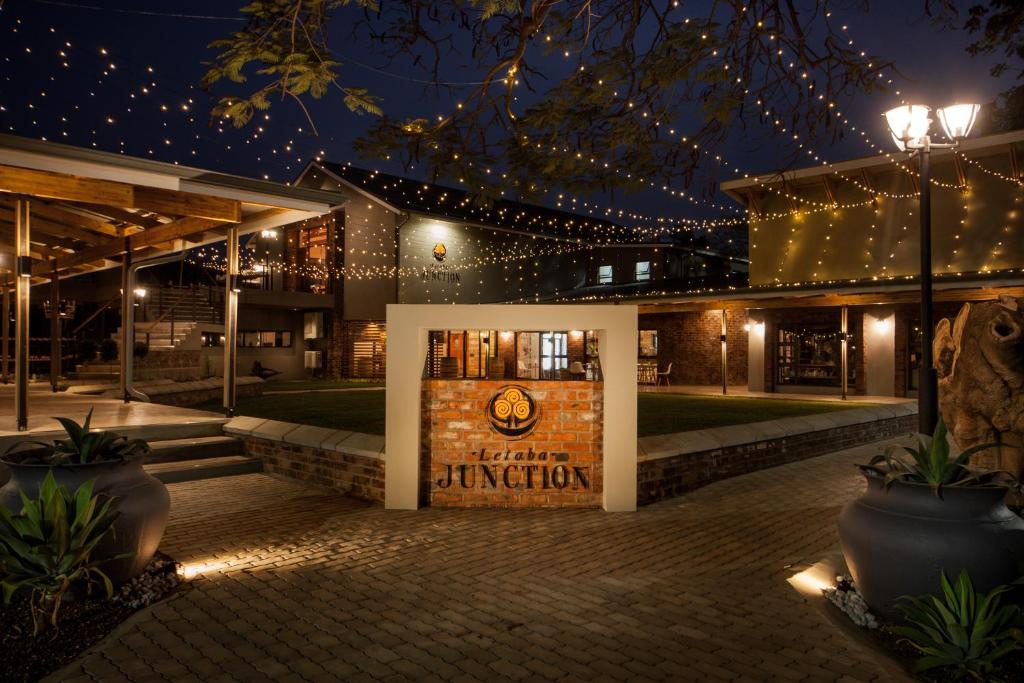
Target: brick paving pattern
303	586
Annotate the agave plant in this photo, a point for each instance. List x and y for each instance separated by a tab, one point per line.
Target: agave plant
48	547
963	630
930	464
82	446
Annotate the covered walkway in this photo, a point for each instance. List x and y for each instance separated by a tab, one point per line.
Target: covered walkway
65	211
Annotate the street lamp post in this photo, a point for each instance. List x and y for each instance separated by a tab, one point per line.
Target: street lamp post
909	126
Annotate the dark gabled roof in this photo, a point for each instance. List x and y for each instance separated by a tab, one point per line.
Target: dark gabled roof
417	196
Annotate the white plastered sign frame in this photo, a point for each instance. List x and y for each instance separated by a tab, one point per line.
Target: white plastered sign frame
407	328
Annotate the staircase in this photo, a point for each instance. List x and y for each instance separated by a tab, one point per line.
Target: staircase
198	304
161	336
191	452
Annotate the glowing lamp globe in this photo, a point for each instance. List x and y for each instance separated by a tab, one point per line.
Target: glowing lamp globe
909	122
958	119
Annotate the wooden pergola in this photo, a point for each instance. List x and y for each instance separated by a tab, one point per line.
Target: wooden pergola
65	211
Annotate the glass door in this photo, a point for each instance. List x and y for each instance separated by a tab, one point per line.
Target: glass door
554	354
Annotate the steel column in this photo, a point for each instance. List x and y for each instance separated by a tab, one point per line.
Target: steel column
22	225
5	344
127	322
844	328
230	321
55	350
725	355
927	392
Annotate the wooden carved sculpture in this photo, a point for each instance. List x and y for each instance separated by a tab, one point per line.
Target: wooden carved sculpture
979	359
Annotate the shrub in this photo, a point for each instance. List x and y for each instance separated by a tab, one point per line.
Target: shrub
48	547
108	350
963	630
141	349
931	465
87	349
81	446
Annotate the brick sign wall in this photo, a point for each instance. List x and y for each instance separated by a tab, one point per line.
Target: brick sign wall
512	443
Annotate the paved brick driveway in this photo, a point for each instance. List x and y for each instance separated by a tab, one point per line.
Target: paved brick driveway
312	587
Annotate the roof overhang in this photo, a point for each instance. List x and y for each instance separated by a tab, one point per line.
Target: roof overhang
87	208
740	188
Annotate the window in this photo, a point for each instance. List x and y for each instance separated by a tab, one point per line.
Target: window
554	354
252	339
648	347
643	271
604	275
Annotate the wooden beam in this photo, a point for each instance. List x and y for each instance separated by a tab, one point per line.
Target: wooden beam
179	229
54	229
869	182
173	203
123	216
78	218
50	185
1014	162
754	202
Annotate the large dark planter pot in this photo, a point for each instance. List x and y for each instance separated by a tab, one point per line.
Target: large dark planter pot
897	542
141	499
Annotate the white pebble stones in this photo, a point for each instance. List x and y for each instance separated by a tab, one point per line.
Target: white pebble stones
845	596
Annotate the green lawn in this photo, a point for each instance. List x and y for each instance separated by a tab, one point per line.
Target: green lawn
313	384
363	411
667	413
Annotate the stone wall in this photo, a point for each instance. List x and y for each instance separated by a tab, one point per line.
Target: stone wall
691	341
181	365
467	462
199	391
665	477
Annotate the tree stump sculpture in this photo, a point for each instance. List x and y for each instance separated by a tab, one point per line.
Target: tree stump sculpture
979	358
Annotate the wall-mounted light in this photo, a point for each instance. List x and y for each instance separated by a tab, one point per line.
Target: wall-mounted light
268	234
881	325
140	292
506	335
746	327
759	328
576	334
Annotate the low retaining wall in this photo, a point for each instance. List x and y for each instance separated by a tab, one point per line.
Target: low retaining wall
673	464
346	462
199	391
668	465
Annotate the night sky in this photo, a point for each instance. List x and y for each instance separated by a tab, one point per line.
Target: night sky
128	82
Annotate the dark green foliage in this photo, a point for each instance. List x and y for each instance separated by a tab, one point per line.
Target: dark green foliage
108	350
82	446
963	630
572	90
285	43
48	547
930	464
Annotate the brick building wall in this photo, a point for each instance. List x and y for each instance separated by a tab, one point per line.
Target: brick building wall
466	462
907	316
691	341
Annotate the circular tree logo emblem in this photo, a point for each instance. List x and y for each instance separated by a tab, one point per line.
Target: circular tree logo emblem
512	412
439	252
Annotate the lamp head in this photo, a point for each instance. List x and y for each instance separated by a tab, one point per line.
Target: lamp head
908	122
958	119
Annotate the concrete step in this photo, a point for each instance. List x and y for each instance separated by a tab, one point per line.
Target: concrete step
193	448
206	468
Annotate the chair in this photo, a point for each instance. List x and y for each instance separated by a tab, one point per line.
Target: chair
576	370
664	375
